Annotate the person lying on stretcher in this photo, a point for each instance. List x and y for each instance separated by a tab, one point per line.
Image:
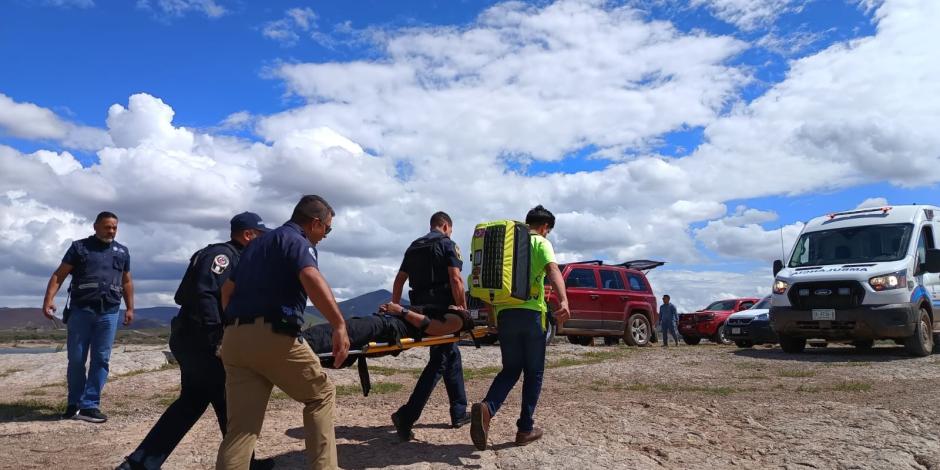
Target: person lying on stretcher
390	324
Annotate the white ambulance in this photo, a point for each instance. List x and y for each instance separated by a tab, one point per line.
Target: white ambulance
860	276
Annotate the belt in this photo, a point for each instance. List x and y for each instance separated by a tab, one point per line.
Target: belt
241	321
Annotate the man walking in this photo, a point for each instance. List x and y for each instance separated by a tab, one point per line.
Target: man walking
521	330
264	302
432	267
667	321
101	276
196	333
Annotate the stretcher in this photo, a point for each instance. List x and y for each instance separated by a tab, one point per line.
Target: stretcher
375	349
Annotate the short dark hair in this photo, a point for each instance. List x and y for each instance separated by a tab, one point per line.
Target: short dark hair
105	215
440	218
311	207
539	215
666	296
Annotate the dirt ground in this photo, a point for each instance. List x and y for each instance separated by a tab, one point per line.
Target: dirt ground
703	406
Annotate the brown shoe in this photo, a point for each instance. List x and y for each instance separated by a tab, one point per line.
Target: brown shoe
479	424
523	438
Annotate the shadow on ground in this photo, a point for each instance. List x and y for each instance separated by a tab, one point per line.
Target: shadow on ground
377	446
830	354
29	410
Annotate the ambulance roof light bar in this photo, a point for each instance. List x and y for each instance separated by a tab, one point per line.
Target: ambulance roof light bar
883	210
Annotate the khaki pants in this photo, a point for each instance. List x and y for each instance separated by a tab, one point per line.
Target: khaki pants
255	359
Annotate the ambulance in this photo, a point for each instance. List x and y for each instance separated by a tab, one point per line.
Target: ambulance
860	276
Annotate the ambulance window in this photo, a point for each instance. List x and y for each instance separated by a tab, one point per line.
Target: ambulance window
924	243
611	280
581	278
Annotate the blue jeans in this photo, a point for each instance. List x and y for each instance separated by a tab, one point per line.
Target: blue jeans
89	333
444	362
669	328
522	345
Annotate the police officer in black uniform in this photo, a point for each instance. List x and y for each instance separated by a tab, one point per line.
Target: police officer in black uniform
196	333
432	267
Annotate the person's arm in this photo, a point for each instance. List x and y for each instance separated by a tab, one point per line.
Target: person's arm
398	287
558	284
55	283
319	292
227	289
450	325
128	284
457	287
212	270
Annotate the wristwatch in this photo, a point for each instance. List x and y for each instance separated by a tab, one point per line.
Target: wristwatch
404	312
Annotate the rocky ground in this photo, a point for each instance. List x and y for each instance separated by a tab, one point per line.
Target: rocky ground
701	406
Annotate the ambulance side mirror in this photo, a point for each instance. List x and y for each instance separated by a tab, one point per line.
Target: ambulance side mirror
778	266
932	264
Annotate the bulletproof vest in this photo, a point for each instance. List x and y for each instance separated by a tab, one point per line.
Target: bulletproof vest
427	271
96	279
187	294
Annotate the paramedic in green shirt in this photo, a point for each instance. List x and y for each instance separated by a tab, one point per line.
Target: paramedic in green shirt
522	338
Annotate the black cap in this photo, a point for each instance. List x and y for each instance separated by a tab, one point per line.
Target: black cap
248	220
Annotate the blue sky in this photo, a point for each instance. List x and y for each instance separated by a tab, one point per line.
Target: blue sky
291	65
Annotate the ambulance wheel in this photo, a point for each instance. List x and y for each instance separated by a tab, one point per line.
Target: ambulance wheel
691	340
639	331
920	344
792	345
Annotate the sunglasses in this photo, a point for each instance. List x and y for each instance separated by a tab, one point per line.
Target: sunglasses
329	228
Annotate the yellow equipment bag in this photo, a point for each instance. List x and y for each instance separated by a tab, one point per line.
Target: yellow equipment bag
499	254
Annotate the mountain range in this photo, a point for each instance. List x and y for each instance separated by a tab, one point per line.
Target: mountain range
159	317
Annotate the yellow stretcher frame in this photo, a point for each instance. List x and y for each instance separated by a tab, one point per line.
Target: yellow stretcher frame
383	349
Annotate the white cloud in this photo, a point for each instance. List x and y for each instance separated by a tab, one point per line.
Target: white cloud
444	109
236	120
33	122
872	202
694	290
287	30
749	14
181	7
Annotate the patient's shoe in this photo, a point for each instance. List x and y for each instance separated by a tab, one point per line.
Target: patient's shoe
404	433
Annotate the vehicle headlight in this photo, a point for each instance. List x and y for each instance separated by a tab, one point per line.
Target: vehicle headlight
780	287
762	317
889	281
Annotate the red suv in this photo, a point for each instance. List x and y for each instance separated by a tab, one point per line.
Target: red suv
614	301
710	321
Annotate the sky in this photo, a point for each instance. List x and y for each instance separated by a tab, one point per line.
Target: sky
702	133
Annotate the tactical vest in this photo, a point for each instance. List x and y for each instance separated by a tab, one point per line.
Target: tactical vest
96	279
427	273
187	294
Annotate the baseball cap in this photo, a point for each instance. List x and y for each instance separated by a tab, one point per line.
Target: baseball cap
248	220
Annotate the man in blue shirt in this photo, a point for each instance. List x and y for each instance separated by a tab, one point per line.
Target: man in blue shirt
194	339
667	321
101	275
264	301
432	266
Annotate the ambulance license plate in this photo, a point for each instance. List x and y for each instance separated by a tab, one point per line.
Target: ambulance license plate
735	331
824	314
475	314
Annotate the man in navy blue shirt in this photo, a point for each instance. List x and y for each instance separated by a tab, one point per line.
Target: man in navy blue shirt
101	276
431	266
195	335
264	301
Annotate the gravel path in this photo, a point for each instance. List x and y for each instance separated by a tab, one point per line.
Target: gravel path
701	406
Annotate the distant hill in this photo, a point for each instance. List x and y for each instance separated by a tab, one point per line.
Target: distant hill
158	317
33	319
365	304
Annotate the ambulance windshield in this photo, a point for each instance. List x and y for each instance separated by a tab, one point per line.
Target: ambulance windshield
866	244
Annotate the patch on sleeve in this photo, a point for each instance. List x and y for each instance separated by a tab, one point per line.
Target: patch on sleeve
219	264
457	250
313	253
